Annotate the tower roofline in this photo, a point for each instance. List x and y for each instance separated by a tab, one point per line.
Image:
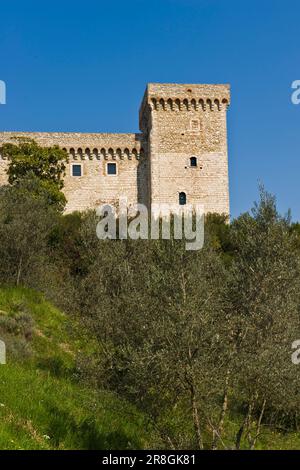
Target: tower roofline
184	91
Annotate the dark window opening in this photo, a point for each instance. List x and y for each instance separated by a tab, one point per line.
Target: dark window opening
193	161
182	199
111	169
76	170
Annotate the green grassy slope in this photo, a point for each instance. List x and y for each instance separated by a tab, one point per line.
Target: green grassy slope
41	407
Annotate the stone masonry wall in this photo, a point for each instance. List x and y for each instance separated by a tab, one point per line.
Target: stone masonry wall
177	122
93	152
187	121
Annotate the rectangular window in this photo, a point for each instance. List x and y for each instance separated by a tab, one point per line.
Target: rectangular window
111	168
76	170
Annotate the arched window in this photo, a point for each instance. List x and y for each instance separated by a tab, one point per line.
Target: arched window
182	199
193	161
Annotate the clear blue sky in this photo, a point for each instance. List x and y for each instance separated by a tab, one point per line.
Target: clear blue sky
83	66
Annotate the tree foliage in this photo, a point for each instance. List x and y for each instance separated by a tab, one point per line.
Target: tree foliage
200	340
46	164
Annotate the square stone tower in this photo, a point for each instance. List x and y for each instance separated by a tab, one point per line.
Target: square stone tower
186	134
180	156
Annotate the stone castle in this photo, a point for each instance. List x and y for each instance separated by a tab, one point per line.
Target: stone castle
179	157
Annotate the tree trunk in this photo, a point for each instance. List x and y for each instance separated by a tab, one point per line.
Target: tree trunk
196	419
19	270
258	425
243	426
217	433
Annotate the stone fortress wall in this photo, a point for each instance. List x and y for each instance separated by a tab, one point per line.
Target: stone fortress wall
182	149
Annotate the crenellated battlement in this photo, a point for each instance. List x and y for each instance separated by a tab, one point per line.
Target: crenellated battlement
175	104
105	153
181	150
84	145
182	97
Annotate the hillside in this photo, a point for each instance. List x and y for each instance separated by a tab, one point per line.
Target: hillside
41	405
